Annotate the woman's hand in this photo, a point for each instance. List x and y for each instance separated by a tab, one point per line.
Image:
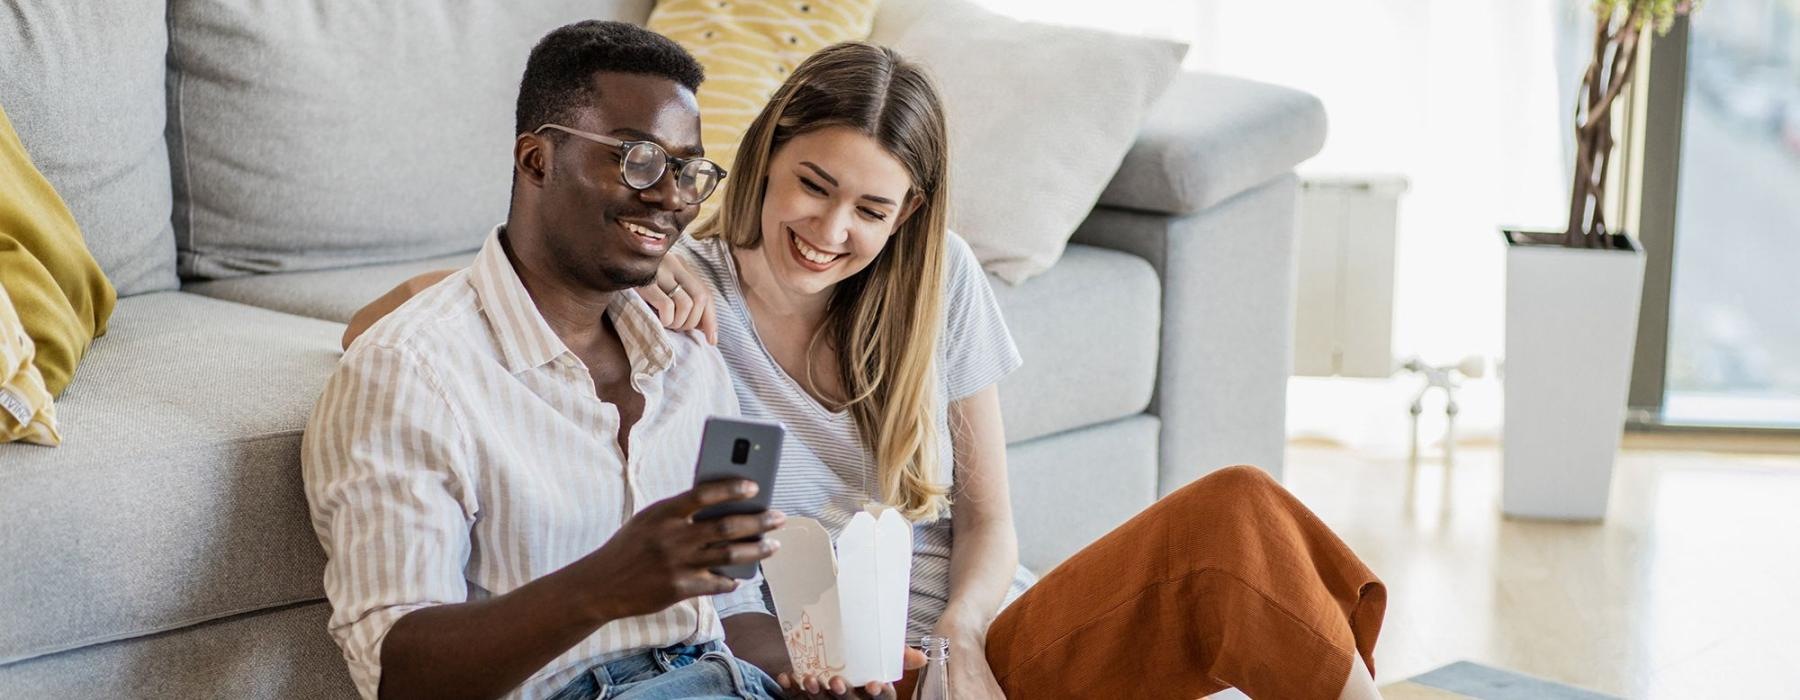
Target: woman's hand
386	303
812	688
834	688
970	676
681	300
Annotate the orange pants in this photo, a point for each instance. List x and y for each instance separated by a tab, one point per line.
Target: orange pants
1227	582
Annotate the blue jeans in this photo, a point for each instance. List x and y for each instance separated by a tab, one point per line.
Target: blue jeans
706	671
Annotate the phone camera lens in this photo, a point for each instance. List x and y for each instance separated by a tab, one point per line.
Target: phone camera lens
740	451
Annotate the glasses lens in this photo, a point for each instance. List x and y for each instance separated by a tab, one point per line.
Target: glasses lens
644	163
698	180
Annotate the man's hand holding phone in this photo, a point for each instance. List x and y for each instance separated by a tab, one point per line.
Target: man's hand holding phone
663	556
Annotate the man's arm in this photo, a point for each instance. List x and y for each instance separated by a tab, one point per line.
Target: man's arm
660	557
756	637
387	474
488	647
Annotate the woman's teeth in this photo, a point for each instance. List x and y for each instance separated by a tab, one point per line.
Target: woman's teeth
639	230
813	254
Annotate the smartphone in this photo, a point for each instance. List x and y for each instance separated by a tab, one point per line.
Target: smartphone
733	448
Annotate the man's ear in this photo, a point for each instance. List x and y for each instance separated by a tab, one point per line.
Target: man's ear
531	159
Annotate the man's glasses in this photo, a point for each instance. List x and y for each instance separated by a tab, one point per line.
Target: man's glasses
642	164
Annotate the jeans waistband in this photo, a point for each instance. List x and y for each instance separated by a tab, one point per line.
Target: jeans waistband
660	659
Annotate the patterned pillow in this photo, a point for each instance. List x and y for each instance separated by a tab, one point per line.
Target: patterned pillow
26	411
748	47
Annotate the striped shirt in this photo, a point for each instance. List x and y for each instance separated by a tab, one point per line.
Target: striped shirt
459	451
826	472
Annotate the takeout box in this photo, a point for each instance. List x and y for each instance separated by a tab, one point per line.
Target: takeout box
843	608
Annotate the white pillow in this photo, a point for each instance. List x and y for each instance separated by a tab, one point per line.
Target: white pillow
1040	117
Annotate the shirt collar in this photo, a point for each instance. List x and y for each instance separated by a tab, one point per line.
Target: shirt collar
526	340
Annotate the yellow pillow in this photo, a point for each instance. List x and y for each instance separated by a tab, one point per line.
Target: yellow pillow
57	290
26	412
748	47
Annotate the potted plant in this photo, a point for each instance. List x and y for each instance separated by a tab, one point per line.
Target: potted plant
1572	304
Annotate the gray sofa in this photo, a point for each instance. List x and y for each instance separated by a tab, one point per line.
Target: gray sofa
309	157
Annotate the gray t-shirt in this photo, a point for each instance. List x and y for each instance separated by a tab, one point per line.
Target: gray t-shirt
827	473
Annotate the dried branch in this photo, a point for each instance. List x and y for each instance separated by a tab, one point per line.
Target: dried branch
1618	31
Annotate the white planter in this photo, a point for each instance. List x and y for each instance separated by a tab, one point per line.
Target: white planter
1571	328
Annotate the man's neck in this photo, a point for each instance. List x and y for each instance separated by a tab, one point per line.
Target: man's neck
574	314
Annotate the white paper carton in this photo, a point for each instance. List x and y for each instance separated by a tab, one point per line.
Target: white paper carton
843	612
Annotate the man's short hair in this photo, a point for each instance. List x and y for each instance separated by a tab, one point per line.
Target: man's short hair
559	74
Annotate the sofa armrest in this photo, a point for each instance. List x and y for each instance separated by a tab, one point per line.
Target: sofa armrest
1211	137
1226	346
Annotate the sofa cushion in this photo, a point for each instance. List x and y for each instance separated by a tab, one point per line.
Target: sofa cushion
282	654
310	134
83	82
1028	174
748	49
1088	329
1211	137
332	295
1071	488
175	497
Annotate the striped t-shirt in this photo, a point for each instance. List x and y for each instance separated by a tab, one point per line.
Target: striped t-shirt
826	472
460	452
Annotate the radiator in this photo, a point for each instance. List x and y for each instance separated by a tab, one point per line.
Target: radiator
1344	309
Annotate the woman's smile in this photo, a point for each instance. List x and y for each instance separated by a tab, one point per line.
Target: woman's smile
809	256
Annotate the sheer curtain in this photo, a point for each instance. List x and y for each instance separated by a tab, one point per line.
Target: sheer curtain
1461	97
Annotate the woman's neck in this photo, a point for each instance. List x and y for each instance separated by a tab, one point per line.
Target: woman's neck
767	295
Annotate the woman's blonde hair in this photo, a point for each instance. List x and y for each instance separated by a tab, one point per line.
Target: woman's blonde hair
884	320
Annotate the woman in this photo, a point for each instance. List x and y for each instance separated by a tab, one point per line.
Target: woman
846	310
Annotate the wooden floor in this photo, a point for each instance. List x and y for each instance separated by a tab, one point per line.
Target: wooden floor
1689	589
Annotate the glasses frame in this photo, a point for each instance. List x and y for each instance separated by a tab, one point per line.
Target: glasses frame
625	147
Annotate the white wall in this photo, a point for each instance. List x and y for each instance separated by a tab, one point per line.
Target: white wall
1458	96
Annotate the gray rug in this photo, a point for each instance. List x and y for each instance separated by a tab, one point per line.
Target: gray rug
1473	680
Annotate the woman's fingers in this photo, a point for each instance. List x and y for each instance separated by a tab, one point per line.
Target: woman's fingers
709	320
666	277
795	684
659	302
912	659
683	316
683	277
816	687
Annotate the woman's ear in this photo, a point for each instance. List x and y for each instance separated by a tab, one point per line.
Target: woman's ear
531	160
913	202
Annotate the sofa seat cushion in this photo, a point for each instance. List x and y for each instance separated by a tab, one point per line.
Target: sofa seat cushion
332	295
175	497
1088	329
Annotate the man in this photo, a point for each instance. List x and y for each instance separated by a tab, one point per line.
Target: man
479	465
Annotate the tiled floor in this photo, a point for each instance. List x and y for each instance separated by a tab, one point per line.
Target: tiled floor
1691	587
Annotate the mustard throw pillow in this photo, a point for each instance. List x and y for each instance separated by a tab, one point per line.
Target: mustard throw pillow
26	412
748	47
57	290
